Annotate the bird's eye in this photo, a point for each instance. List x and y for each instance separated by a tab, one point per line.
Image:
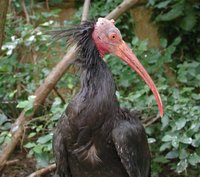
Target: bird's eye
113	36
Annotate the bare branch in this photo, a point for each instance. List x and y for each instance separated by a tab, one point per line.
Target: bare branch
123	7
47	4
3	12
151	121
25	11
12	162
59	95
85	10
43	171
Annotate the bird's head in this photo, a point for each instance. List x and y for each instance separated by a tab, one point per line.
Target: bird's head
108	39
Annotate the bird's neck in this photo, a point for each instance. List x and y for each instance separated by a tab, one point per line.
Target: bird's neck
97	92
97	81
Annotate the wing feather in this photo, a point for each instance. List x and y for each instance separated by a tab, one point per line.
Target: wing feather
132	148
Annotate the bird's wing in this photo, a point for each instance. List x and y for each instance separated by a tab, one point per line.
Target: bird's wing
132	148
59	148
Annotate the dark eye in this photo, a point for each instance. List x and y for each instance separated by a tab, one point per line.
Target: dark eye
113	36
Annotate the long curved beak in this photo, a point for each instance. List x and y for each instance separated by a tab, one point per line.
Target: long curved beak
125	53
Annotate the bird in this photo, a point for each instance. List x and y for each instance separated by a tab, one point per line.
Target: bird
94	136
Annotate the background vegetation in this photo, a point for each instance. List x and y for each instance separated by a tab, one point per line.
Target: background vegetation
28	55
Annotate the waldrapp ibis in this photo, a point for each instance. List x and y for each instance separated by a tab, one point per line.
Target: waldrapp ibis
95	137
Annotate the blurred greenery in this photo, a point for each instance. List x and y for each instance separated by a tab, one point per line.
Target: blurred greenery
29	55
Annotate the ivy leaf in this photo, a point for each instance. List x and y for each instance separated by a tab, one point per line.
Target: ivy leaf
182	165
172	154
188	22
27	105
165	146
176	11
38	149
167	138
165	121
162	4
29	145
196	141
160	159
194	159
151	140
190	19
163	42
186	140
175	142
44	139
180	123
42	160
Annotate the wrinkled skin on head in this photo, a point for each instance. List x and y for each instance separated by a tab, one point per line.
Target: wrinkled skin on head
108	39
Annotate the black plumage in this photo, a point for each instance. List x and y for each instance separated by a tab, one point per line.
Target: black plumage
95	137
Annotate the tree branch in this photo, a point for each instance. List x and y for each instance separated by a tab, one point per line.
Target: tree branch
25	11
42	92
123	7
3	12
43	171
12	162
151	121
59	95
85	10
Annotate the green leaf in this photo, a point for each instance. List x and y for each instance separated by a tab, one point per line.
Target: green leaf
160	159
182	165
175	142
176	41
194	159
42	160
165	121
151	140
188	22
29	145
196	142
162	4
190	19
183	154
27	105
180	123
176	11
32	134
167	138
163	42
44	139
186	140
172	154
37	149
165	146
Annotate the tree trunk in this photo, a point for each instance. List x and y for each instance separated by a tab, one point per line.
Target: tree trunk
3	12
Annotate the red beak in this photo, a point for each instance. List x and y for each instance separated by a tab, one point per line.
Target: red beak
125	53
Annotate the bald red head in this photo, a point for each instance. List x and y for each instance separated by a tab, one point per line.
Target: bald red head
108	39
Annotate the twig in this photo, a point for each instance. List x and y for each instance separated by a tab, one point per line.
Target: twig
151	121
85	10
59	95
123	7
43	171
12	162
47	4
25	11
42	92
3	11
